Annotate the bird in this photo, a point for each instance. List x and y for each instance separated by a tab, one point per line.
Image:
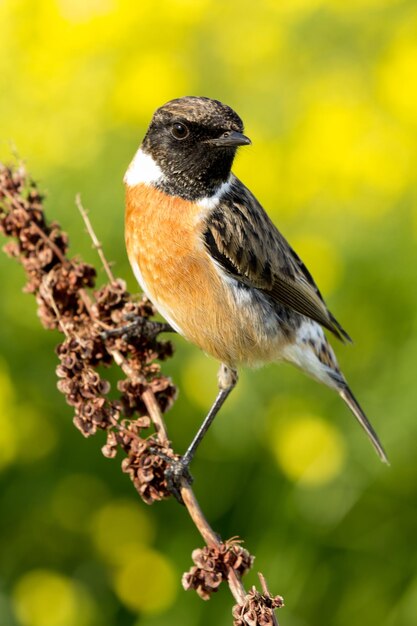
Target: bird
213	263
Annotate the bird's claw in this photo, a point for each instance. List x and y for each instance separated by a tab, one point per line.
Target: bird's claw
177	475
126	332
137	327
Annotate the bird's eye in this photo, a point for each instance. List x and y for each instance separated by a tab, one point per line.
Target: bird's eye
179	131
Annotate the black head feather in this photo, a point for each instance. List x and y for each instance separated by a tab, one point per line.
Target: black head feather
183	139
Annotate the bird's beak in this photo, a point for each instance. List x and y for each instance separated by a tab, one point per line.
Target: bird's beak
230	138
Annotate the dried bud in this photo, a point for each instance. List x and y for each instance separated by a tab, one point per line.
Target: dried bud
110	449
146	465
204	582
257	609
212	565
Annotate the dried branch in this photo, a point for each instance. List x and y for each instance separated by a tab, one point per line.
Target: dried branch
93	322
97	245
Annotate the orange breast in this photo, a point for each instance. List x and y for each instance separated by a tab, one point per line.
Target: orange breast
163	239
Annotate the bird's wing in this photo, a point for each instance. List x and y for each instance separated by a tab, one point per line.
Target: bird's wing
241	238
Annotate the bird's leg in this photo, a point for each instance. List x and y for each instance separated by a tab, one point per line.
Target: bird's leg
178	471
227	379
138	326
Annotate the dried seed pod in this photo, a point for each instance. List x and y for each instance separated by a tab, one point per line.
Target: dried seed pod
212	566
146	464
257	609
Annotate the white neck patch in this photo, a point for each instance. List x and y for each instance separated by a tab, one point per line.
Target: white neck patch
210	202
142	170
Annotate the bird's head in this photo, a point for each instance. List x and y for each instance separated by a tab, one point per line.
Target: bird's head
193	140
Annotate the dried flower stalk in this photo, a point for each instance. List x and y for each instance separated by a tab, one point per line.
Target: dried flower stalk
93	323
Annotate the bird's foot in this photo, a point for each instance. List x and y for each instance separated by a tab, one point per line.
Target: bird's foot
177	475
138	326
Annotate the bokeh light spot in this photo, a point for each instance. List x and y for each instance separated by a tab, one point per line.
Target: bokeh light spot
146	581
118	528
308	449
47	598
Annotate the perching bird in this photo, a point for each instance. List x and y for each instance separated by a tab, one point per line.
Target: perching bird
210	259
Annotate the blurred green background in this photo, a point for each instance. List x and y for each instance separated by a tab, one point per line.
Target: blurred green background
328	93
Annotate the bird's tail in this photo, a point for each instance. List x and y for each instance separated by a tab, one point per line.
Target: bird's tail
353	405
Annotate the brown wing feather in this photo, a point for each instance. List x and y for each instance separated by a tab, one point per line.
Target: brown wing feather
240	236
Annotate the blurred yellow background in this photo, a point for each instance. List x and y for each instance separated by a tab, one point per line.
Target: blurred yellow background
328	93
